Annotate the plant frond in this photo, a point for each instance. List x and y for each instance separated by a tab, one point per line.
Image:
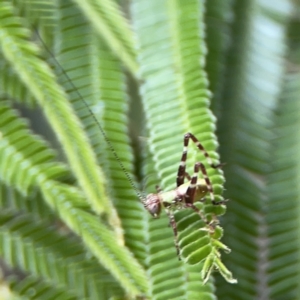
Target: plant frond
284	192
36	11
108	20
30	287
246	133
25	159
101	241
111	254
217	18
36	248
11	86
34	204
95	82
38	14
175	92
23	55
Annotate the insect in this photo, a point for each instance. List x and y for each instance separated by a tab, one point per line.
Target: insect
185	194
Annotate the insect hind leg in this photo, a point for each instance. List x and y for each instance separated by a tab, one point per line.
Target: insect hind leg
181	173
189	136
189	197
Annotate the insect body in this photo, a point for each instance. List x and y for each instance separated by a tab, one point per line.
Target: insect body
185	194
174	199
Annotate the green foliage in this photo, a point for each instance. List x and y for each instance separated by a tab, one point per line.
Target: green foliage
72	223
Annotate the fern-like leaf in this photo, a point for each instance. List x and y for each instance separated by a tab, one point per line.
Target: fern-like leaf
67	201
39	79
36	248
284	197
246	132
175	96
109	22
26	160
93	76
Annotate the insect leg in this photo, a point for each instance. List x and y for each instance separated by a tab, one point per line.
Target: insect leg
199	212
189	196
181	169
187	176
208	184
158	189
174	227
188	136
190	193
207	181
181	174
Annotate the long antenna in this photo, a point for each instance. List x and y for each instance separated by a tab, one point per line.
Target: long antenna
110	146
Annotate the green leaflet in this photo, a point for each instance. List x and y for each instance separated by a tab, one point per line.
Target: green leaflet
113	27
33	172
283	214
175	99
246	129
64	199
38	249
97	78
39	79
26	161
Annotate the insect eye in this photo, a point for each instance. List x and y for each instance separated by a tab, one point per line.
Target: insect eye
155	210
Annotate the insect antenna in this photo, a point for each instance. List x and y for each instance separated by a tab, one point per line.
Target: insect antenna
141	196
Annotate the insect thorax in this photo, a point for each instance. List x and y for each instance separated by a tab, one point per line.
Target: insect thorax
175	199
